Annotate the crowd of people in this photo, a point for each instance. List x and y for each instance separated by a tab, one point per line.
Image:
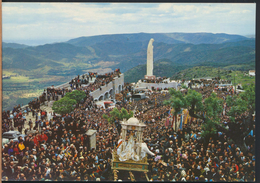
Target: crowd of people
15	118
49	94
100	80
59	149
157	80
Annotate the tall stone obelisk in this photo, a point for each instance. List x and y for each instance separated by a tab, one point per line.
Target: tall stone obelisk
149	71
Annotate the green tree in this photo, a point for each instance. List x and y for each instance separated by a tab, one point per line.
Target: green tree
237	107
184	86
241	125
177	101
64	105
209	111
194	103
211	108
77	95
115	114
249	97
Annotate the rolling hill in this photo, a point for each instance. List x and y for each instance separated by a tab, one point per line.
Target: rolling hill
236	77
129	50
173	52
13	45
240	56
162	67
169	38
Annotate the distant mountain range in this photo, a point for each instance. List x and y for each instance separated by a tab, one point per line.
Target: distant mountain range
172	51
13	45
169	38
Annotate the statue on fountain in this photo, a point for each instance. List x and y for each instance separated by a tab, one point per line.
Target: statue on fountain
131	154
130	151
133	150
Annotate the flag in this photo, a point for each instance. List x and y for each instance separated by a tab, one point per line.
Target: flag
167	122
181	123
173	120
186	116
188	120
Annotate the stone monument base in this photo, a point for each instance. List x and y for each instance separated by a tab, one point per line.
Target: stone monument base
149	77
130	165
92	138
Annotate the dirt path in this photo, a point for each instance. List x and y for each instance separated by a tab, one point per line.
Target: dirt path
46	108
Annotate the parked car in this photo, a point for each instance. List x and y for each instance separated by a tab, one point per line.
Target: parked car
5	141
12	135
139	96
31	132
105	104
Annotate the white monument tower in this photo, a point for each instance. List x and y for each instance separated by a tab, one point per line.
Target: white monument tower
149	81
149	74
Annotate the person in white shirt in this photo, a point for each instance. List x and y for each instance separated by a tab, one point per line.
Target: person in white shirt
49	116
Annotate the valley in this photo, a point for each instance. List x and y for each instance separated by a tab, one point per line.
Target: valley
33	68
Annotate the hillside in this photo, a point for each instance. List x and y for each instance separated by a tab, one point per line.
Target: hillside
13	45
163	67
39	66
169	38
218	55
232	56
129	50
200	72
204	71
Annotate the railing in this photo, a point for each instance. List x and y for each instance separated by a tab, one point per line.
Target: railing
95	93
106	88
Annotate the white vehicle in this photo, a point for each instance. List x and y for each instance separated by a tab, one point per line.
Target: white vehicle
106	104
165	91
139	96
5	141
11	135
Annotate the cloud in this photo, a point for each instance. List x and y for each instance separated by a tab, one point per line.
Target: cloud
70	20
165	7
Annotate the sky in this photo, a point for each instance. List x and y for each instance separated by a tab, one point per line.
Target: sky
42	23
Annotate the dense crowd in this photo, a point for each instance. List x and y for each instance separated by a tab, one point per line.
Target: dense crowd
65	138
60	149
157	80
100	80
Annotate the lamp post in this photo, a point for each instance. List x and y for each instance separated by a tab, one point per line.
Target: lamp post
235	81
218	75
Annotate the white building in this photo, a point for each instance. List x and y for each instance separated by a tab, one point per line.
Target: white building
109	90
252	73
150	81
165	84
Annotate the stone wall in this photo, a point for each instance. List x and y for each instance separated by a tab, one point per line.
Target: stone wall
97	93
118	82
158	85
